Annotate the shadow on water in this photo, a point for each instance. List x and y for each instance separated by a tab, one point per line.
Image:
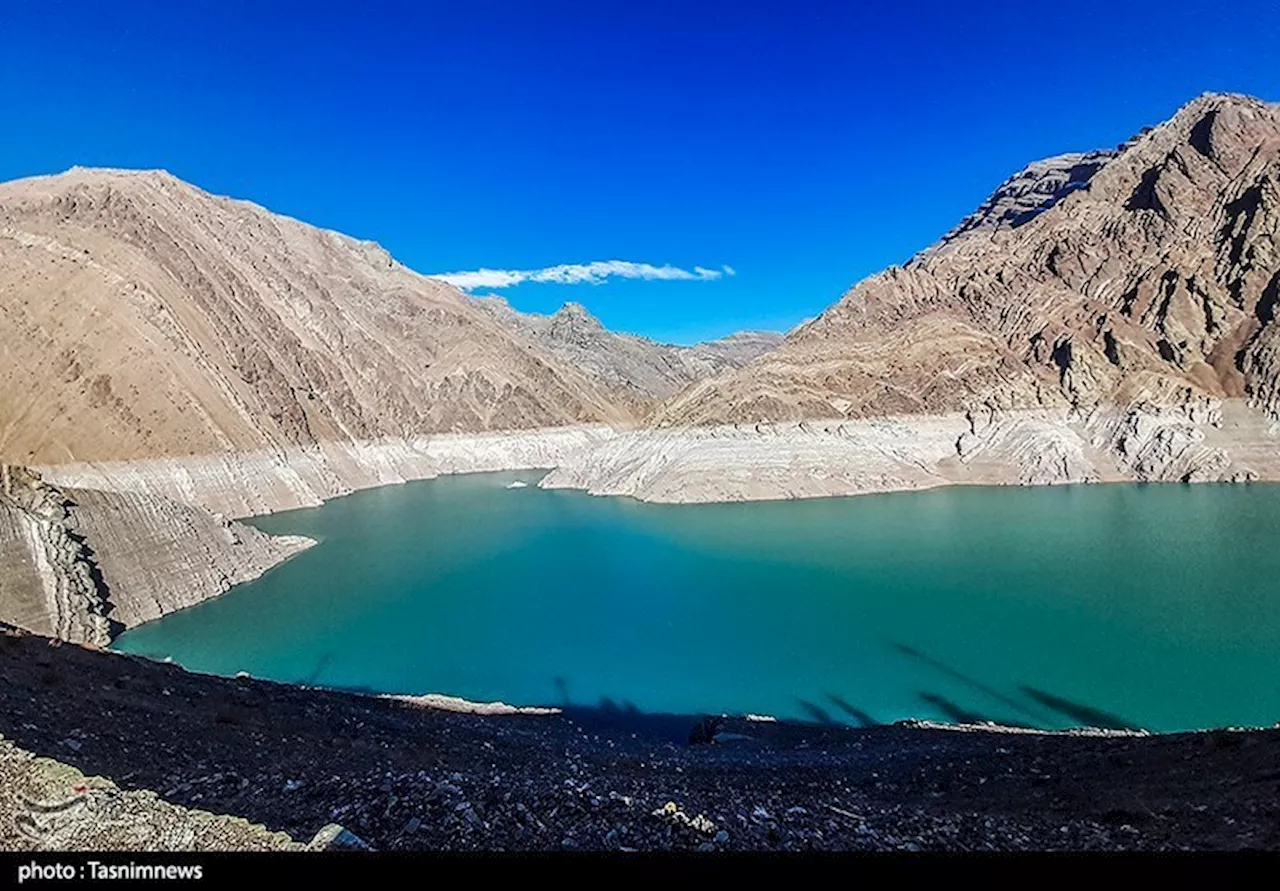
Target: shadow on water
1079	713
817	714
609	716
1049	710
954	712
862	718
316	673
972	682
626	716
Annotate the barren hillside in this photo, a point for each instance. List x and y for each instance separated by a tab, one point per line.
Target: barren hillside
141	317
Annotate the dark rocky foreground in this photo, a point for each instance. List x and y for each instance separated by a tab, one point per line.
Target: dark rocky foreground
406	777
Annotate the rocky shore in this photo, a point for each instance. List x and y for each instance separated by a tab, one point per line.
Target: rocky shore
404	776
1205	440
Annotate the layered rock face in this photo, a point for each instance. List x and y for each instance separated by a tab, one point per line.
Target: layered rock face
639	373
1035	188
49	580
243	484
1102	316
81	565
143	318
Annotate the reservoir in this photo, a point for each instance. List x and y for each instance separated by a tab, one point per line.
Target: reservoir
1144	606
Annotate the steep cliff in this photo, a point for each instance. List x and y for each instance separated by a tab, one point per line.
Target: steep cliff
49	580
81	565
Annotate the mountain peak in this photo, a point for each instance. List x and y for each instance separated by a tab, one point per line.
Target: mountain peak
575	314
1032	190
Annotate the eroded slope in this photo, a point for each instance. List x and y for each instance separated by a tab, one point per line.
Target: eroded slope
141	317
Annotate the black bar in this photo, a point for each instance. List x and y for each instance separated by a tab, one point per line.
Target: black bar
373	870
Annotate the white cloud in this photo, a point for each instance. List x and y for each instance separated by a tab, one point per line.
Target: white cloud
580	274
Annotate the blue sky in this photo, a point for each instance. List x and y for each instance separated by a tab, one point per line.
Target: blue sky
804	145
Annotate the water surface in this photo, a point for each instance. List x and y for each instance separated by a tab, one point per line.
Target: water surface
1119	605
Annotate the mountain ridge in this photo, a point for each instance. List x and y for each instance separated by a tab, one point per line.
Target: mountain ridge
1028	317
1124	330
641	372
260	323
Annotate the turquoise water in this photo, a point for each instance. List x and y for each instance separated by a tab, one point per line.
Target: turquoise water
1145	606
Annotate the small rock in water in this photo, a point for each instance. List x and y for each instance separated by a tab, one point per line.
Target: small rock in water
721	837
413	825
292	785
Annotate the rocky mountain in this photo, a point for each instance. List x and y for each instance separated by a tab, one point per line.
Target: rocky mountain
1035	188
1148	275
638	371
142	317
171	357
1108	316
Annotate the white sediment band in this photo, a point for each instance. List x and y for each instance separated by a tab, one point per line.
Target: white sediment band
809	459
850	457
254	483
466	706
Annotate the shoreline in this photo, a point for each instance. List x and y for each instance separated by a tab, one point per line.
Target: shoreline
404	776
180	508
448	702
249	484
1219	441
